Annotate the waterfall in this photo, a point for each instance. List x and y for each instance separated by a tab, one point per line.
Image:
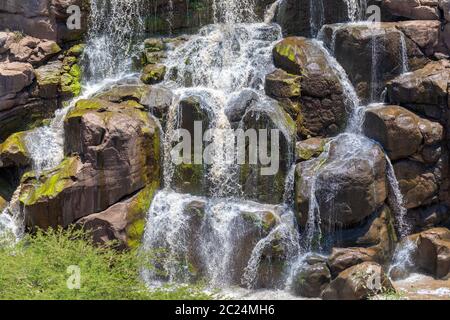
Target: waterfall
404	52
316	16
218	66
114	28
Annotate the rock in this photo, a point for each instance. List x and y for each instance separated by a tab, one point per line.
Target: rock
310	148
48	79
418	183
3	204
122	93
44	19
240	104
423	218
344	258
266	182
123	222
321	108
424	89
189	177
312	278
401	132
158	100
347	192
70	77
153	73
13	152
433	252
414	10
14	77
357	40
358	282
33	50
116	153
280	84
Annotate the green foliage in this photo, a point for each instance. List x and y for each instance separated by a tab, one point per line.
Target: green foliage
36	268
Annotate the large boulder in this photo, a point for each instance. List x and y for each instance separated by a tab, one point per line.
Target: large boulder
418	182
312	277
348	186
321	109
359	282
413	9
266	182
14	152
123	223
431	252
44	19
382	52
402	133
424	90
14	77
112	152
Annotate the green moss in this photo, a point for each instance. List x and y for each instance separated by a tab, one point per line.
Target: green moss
137	215
55	48
83	106
153	73
50	184
14	144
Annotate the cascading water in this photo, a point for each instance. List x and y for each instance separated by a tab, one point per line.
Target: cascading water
217	66
114	26
316	16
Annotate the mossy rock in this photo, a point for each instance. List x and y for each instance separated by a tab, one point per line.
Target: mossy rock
154	44
121	93
76	51
153	73
137	214
14	152
3	204
310	148
49	184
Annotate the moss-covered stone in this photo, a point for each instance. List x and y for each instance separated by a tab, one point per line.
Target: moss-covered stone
310	148
153	73
3	204
76	51
13	151
121	93
49	184
137	214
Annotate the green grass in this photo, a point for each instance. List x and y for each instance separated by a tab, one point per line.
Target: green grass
36	268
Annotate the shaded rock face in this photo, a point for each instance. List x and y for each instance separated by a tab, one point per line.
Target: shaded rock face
379	51
320	108
44	19
32	87
358	282
346	192
431	252
423	177
414	10
296	17
112	151
123	223
268	187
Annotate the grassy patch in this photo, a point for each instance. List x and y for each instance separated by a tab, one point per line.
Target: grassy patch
38	267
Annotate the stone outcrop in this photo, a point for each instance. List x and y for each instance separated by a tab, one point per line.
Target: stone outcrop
369	73
121	225
313	93
357	185
431	252
312	277
358	282
43	19
112	152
